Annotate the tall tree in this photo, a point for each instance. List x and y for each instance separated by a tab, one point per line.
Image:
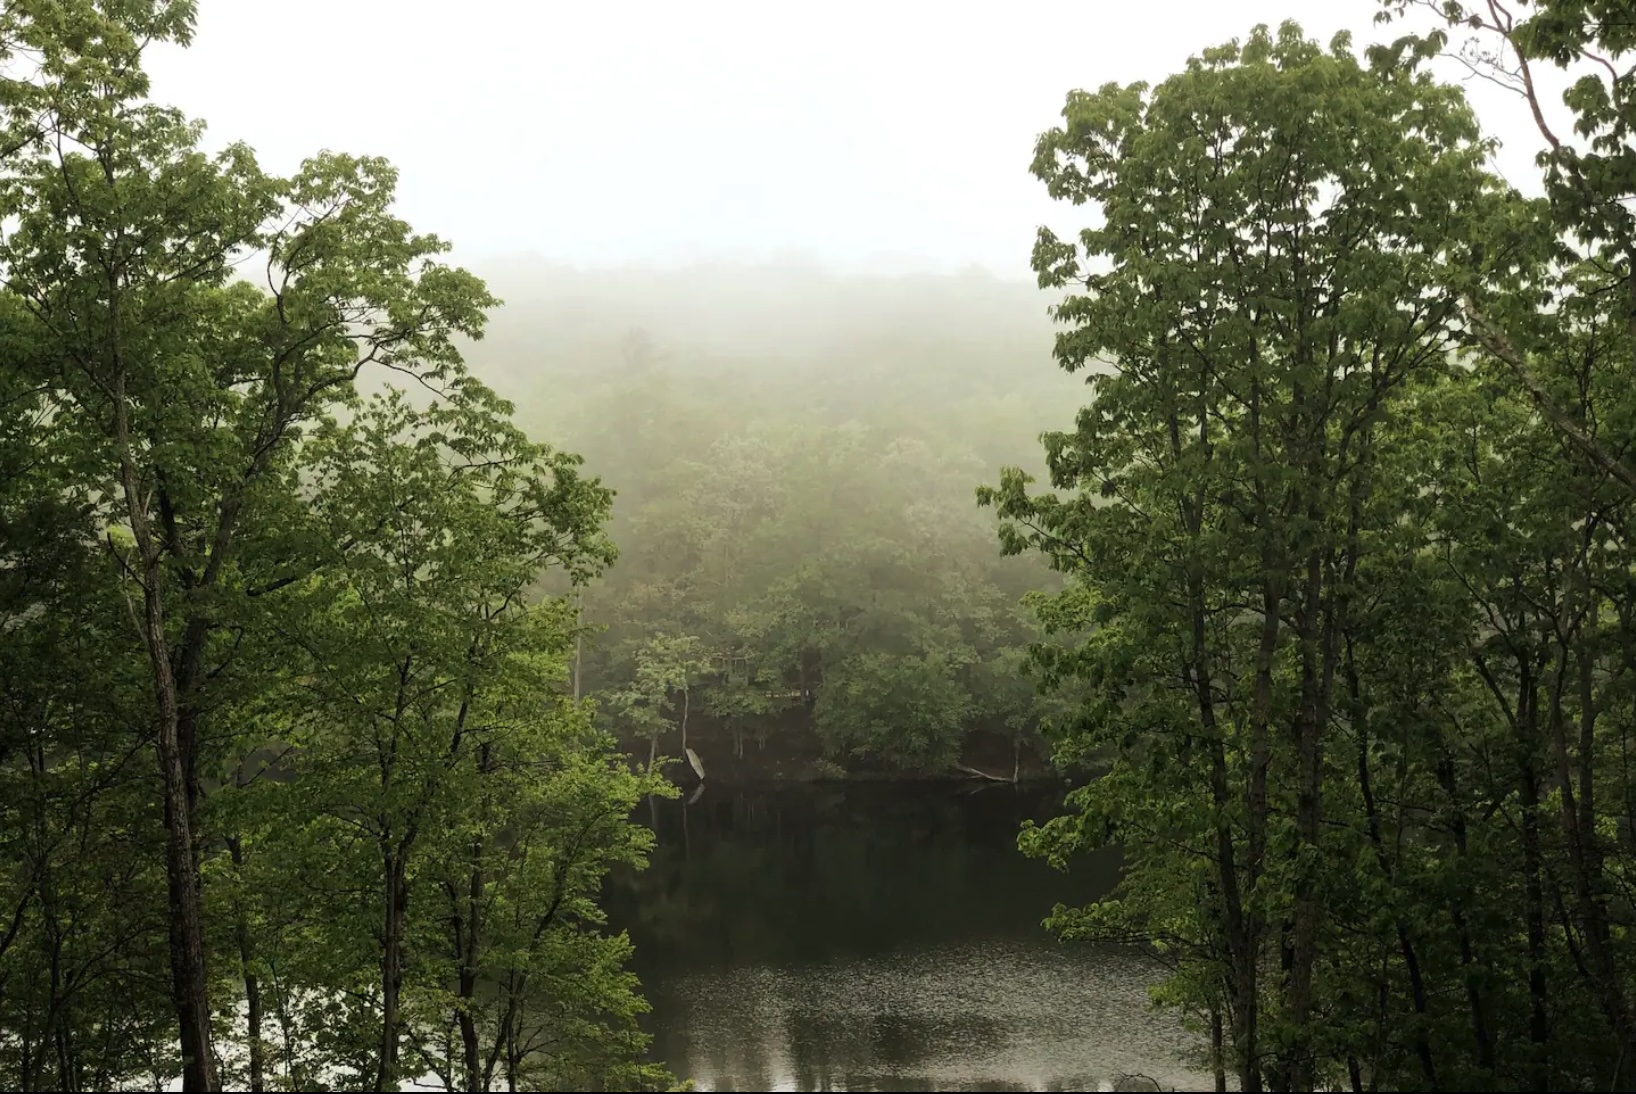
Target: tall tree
1265	285
188	386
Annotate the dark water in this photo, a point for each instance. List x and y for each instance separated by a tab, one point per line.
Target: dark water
881	938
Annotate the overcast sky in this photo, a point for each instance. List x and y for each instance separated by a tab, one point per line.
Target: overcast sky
889	135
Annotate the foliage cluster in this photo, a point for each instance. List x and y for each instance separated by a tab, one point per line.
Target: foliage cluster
291	793
1347	533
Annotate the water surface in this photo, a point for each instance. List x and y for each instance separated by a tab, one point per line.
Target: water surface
881	937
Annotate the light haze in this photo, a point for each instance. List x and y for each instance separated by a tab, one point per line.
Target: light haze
885	136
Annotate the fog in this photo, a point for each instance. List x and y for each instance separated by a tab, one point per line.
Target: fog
766	267
795	454
787	501
864	136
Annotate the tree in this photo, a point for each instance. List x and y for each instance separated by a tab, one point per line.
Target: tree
540	996
1550	303
427	682
1265	287
190	475
666	666
906	710
81	899
1589	176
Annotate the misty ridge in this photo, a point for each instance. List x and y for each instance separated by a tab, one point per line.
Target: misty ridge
794	454
962	362
845	341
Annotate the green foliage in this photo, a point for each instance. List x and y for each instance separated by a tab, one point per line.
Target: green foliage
826	568
1589	174
279	697
901	709
1345	526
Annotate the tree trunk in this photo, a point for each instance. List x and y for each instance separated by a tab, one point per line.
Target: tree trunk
252	983
1358	716
1579	828
684	719
468	1046
189	983
1468	958
1539	1025
1218	1050
1308	742
1237	927
579	641
1247	964
189	986
468	934
395	892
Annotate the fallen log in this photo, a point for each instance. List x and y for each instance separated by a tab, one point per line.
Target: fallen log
976	774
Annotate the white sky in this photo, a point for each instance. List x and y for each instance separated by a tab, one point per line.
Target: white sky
893	134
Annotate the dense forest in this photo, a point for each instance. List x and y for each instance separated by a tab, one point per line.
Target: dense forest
348	615
794	456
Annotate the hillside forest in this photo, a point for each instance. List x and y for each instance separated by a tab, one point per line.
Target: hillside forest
348	614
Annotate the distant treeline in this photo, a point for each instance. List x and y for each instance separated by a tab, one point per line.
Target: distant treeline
794	457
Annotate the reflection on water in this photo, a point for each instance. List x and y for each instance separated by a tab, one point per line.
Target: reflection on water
881	938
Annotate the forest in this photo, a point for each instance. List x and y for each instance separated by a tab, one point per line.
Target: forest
801	566
352	601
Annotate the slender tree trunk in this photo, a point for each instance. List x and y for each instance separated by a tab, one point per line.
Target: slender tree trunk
514	1060
579	640
468	935
1406	946
1241	945
470	1059
189	982
684	722
1247	1003
1358	717
49	1038
1578	823
1309	729
1539	1025
67	1065
1218	1050
395	892
1468	960
190	993
252	982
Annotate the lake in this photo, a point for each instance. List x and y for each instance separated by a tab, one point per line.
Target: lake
874	936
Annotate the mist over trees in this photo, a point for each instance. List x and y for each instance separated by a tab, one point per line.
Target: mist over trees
346	616
795	454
